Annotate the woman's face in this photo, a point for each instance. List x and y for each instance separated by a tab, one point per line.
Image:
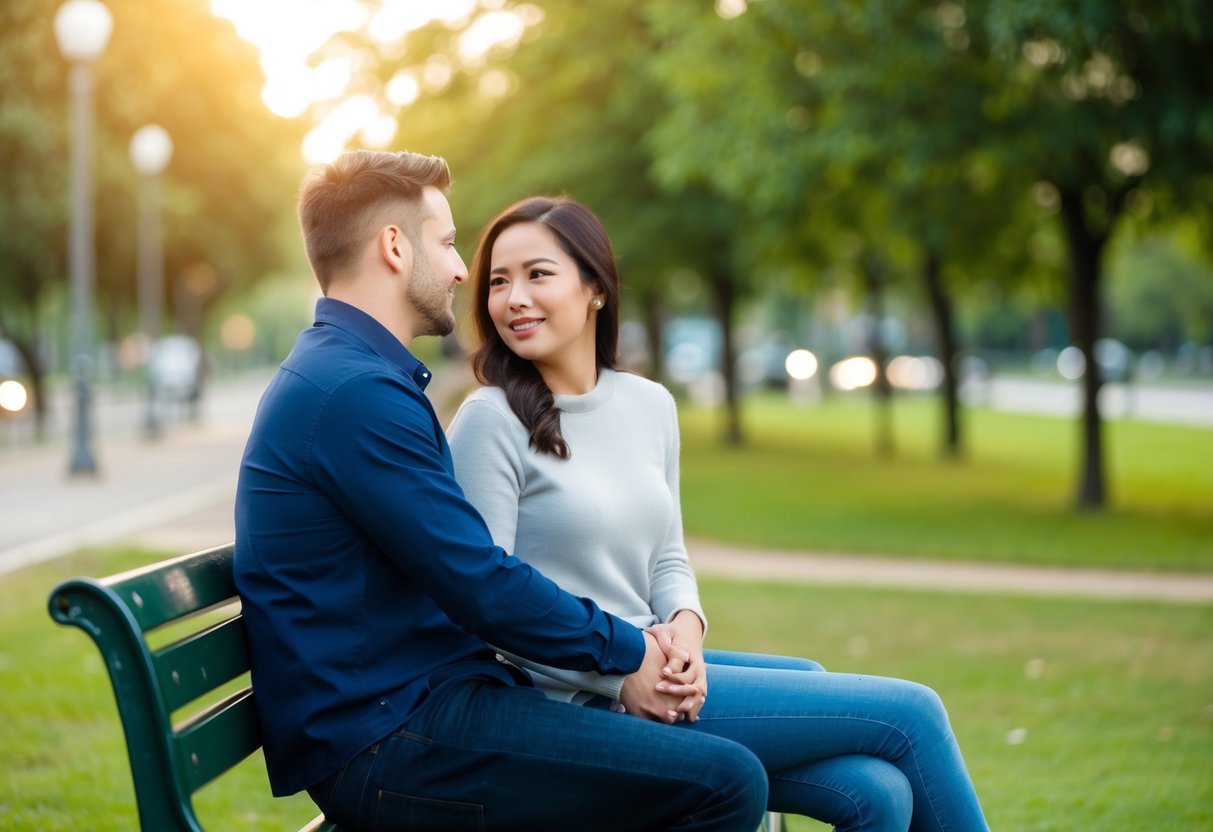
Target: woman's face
537	300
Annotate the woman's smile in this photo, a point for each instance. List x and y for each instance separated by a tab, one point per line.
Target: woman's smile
523	327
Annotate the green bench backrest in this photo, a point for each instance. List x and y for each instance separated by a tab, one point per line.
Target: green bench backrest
169	763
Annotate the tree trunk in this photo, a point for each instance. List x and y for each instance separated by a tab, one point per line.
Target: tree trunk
873	273
1085	248
724	293
941	315
654	330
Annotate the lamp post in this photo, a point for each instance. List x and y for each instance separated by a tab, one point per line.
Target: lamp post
151	149
82	28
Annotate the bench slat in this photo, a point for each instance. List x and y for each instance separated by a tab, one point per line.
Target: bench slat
199	663
166	591
217	738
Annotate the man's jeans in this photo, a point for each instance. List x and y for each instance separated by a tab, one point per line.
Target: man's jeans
860	752
479	755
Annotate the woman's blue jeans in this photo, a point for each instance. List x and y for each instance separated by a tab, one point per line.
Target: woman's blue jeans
481	755
860	752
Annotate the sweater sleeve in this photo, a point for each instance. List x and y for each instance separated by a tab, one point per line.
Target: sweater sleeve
672	585
488	465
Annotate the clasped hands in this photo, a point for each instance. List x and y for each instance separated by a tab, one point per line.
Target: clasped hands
672	682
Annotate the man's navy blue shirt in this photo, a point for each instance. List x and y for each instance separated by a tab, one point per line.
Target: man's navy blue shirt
366	577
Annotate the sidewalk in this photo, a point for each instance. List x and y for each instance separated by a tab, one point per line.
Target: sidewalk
742	563
176	494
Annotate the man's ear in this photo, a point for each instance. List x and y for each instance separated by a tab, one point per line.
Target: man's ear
394	247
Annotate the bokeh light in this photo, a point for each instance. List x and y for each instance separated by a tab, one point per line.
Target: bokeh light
801	365
1071	363
13	397
238	332
915	372
853	373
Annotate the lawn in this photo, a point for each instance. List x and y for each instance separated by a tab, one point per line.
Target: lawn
1072	715
808	478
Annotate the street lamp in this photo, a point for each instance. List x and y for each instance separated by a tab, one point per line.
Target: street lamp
151	149
82	28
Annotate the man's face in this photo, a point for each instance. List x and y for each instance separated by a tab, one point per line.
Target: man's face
437	267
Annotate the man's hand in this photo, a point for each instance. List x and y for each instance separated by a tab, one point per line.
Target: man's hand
685	673
640	695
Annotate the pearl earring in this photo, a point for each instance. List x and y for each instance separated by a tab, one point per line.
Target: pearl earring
596	303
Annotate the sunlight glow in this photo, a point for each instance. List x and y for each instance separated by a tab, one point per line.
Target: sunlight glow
289	33
488	32
379	131
328	139
403	89
396	18
729	9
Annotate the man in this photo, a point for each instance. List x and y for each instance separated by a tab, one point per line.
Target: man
369	584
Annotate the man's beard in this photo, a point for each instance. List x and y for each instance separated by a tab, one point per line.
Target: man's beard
431	301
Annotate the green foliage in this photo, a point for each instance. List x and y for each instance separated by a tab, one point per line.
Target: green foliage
231	181
1159	293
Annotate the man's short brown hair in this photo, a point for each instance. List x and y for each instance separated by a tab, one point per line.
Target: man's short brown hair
343	204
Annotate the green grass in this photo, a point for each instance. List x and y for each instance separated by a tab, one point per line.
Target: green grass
1116	700
808	478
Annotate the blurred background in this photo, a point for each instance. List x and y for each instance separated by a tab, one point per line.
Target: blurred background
961	201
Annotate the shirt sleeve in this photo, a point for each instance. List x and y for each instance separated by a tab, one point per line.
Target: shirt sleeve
673	587
380	455
489	467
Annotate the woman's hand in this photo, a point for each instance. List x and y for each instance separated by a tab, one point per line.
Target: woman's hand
685	673
642	694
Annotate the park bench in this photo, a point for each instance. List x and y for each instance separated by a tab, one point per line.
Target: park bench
194	599
170	762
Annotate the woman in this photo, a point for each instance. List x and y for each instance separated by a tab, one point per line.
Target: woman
575	465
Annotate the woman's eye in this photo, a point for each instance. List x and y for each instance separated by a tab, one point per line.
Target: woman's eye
538	273
496	281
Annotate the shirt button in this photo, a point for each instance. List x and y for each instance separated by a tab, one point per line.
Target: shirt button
383	702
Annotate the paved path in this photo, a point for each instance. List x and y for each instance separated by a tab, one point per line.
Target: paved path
947	576
176	494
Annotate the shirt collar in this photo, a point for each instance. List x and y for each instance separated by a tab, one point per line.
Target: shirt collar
351	319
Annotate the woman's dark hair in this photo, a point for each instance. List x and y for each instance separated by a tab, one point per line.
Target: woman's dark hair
584	239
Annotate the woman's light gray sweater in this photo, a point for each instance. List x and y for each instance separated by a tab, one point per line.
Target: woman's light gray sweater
605	523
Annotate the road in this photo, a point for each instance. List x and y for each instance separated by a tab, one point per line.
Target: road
1178	404
176	493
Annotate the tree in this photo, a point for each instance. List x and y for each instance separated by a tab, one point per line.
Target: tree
1103	103
831	133
230	184
568	110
